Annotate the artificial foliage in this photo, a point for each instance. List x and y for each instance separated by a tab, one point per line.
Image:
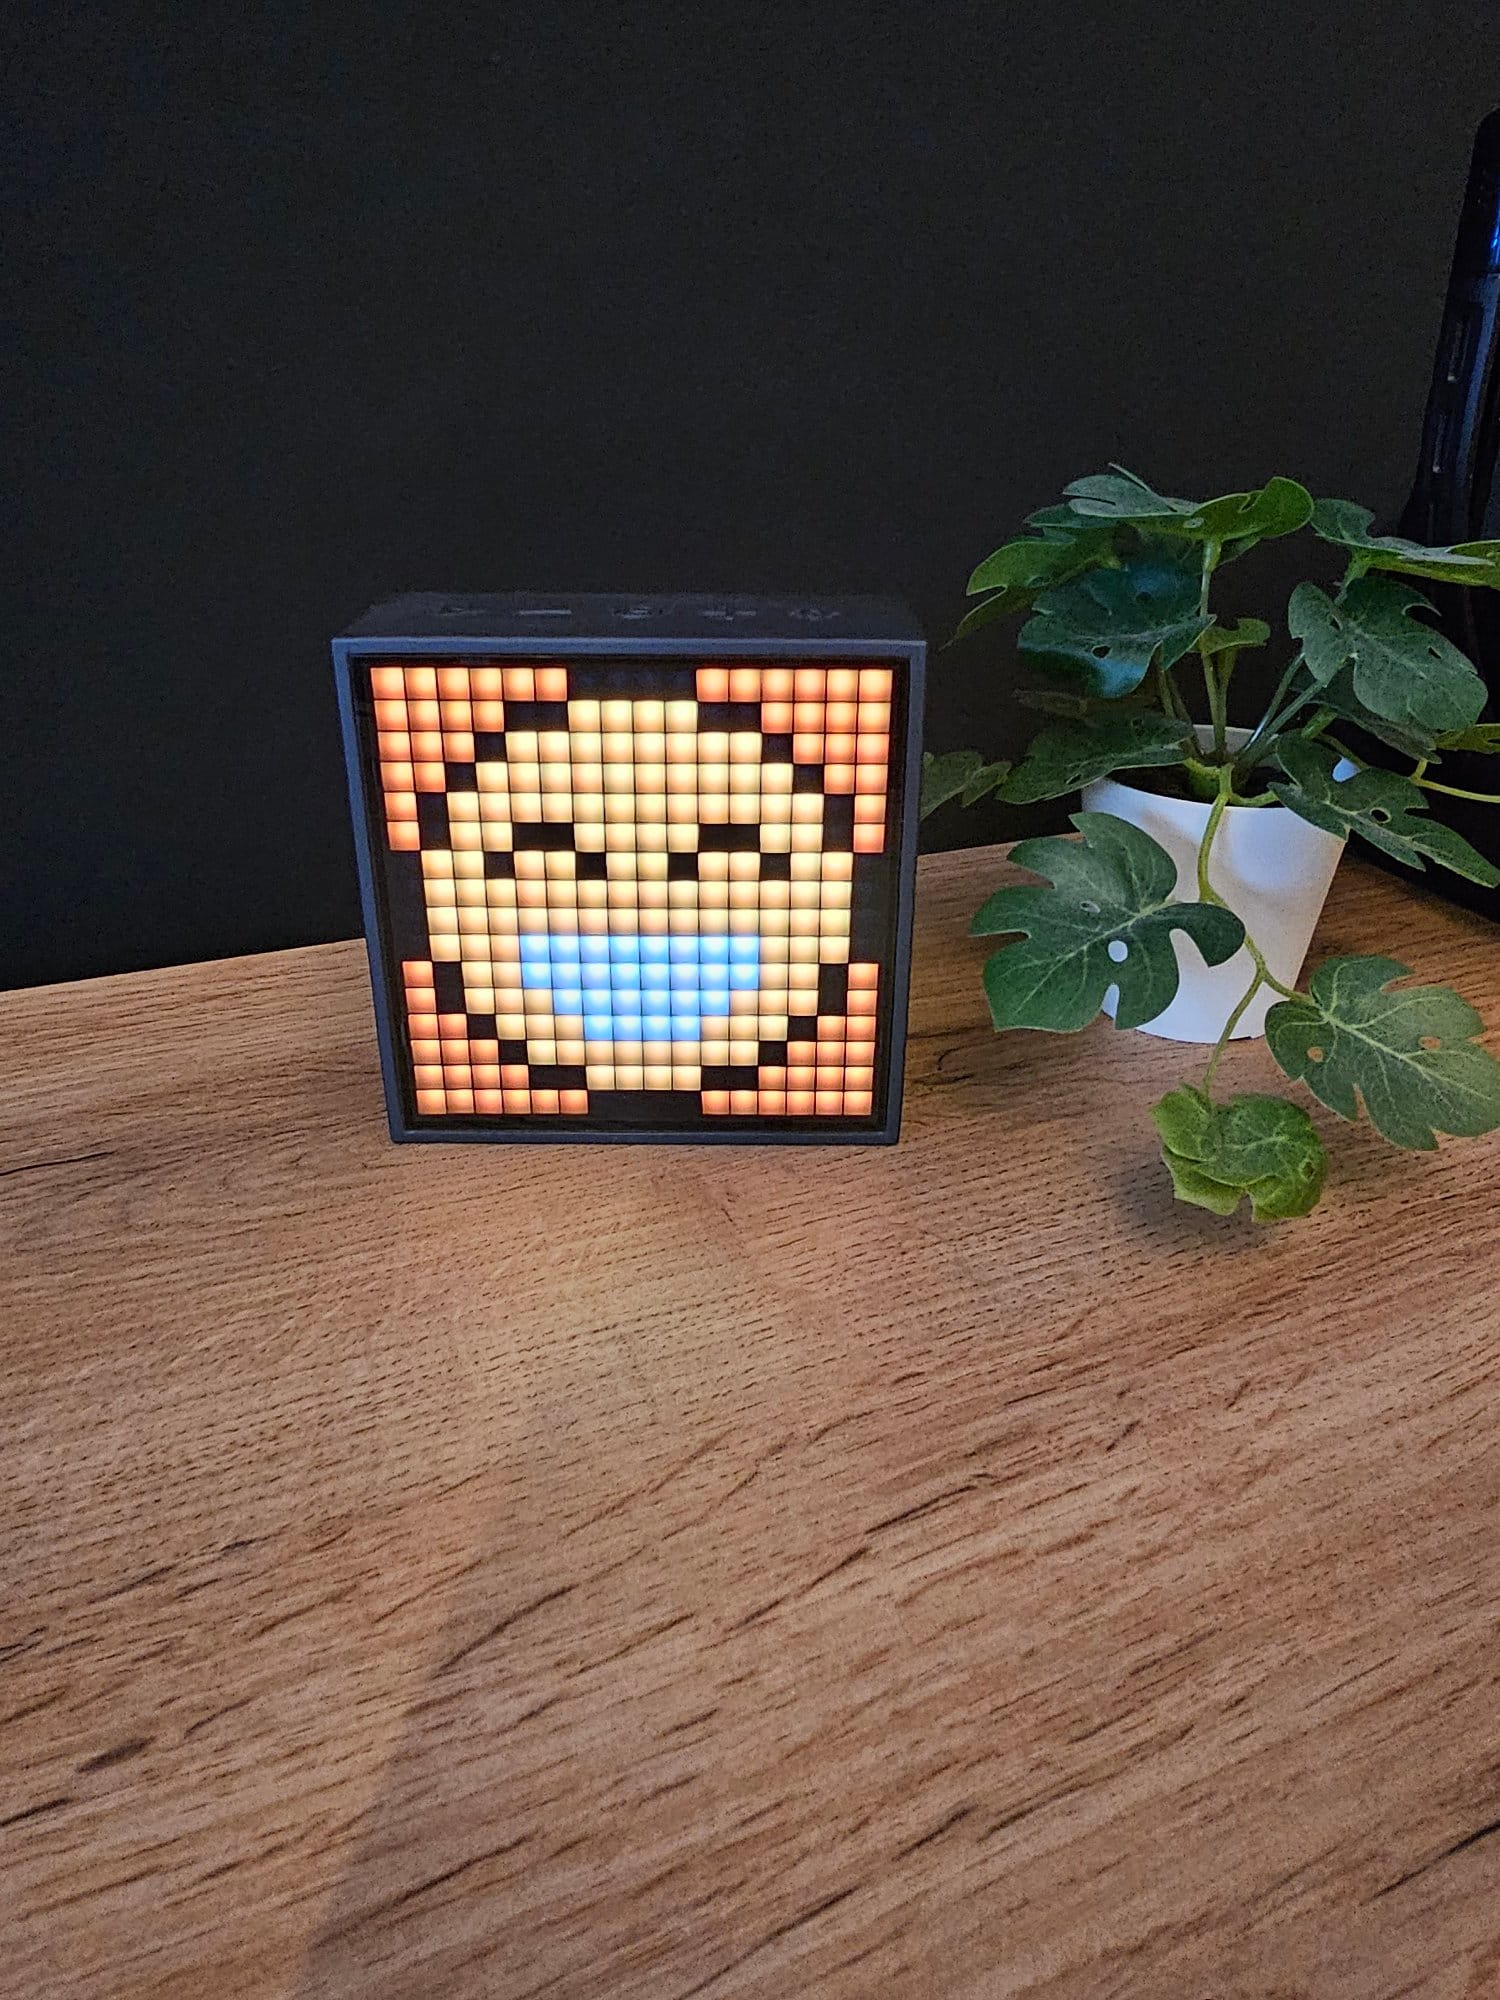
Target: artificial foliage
1409	1051
1105	920
1114	586
1252	1145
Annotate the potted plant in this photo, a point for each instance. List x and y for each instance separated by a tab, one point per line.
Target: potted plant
1187	904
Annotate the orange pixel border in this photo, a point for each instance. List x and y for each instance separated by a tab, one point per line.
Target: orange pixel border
640	781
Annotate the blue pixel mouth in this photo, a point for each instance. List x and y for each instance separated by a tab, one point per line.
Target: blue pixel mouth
629	988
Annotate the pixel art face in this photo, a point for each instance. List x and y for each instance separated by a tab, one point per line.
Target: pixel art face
652	896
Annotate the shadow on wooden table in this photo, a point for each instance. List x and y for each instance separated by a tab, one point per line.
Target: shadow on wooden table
613	1775
953	1571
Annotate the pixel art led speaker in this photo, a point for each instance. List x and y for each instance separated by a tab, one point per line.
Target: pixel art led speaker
636	869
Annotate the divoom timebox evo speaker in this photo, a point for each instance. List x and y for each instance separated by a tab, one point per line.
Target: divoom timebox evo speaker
636	868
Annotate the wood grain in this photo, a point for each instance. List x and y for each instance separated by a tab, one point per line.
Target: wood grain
942	1571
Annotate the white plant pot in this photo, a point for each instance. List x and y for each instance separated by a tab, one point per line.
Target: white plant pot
1273	870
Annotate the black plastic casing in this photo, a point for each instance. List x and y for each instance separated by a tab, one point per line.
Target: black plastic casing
1454	497
598	627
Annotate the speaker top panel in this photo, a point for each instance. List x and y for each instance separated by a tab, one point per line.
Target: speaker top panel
638	624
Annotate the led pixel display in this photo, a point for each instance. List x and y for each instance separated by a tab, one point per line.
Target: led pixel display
636	897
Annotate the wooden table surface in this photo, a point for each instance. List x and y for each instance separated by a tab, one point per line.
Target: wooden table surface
945	1571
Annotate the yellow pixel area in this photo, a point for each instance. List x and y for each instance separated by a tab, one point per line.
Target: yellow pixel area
732	939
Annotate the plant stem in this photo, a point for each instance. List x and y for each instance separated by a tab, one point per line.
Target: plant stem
1207	893
1268	977
1204	778
1283	688
1215	685
1274	719
1292	708
1214	679
1248	754
1171	700
1317	722
1455	791
1257	980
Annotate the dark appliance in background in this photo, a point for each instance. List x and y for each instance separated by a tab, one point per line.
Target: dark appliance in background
1454	497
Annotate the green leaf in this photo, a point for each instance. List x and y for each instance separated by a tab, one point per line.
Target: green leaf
1410	739
1056	701
1108	628
1409	1052
1317	624
1060	521
1388	811
1222	639
1279	507
1004	604
1342	522
1115	889
1314	621
956	774
984	782
1404	670
1066	756
1191	1184
1119	496
1481	739
1032	562
1255	1145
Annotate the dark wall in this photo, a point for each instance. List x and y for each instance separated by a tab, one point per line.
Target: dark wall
820	298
